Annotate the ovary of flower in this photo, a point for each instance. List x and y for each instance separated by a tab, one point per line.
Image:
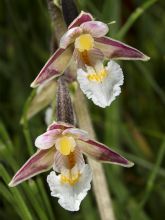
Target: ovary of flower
65	145
84	42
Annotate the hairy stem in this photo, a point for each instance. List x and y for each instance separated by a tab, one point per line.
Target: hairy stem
64	110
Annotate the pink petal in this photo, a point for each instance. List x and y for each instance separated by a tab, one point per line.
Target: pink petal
41	161
117	50
69	37
54	67
77	133
83	17
47	139
59	125
101	152
95	28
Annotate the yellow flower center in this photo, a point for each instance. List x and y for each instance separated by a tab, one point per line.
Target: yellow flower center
98	77
70	178
65	145
84	42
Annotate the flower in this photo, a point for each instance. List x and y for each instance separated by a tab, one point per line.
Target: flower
61	148
86	42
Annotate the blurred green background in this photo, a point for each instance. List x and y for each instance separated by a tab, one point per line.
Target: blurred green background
134	124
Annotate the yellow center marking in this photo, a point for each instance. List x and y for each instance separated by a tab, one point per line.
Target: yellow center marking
70	179
98	77
84	42
65	145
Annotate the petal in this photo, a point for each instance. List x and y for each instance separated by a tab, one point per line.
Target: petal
77	133
117	50
54	67
102	153
102	92
95	28
40	162
69	196
59	125
69	37
47	139
83	17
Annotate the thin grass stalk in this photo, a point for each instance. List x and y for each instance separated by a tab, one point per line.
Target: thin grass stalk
134	16
24	211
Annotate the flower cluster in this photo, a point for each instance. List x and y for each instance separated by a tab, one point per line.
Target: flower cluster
62	146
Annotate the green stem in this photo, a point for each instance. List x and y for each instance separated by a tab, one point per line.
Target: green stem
23	210
153	175
133	17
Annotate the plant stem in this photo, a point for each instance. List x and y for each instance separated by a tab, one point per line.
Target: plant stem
153	175
133	17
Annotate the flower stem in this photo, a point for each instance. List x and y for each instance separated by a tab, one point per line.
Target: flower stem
64	109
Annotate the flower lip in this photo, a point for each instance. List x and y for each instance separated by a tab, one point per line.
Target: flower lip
70	196
102	85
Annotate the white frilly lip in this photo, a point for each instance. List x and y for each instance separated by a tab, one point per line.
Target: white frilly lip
104	92
70	197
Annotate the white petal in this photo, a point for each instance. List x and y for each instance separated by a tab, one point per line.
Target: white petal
69	196
104	92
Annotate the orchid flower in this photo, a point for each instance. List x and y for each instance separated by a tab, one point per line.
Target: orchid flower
86	43
61	148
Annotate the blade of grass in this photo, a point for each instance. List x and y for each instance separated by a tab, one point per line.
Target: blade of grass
23	208
133	17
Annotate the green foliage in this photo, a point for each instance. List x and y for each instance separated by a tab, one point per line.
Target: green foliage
134	124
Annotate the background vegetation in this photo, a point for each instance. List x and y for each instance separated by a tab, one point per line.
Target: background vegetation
134	124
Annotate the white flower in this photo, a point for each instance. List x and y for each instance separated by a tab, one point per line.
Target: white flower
61	148
70	196
101	84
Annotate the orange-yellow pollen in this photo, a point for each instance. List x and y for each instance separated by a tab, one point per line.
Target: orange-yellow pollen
71	179
98	77
84	42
